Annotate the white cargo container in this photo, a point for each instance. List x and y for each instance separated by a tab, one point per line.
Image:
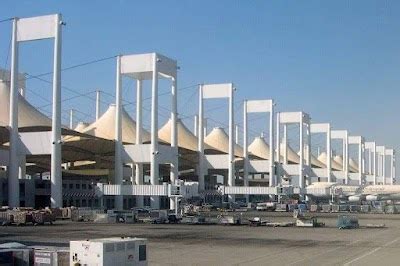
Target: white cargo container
109	252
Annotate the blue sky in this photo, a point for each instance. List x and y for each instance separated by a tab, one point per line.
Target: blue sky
336	60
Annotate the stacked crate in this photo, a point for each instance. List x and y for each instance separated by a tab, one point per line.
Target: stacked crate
314	208
365	208
326	208
22	217
42	217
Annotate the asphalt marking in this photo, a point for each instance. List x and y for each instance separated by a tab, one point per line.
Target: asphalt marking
371	251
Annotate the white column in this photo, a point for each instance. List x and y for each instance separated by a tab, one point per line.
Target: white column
285	144
22	167
56	174
98	104
13	183
308	146
22	91
384	166
301	163
328	155
346	158
369	161
201	141
132	177
278	140
245	149
154	169
195	124
71	119
139	127
231	170
272	177
374	164
118	174
277	147
174	137
393	167
360	163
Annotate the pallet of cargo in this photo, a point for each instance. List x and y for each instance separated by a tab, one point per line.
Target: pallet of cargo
314	208
355	208
326	208
22	217
6	218
42	217
364	208
390	209
282	207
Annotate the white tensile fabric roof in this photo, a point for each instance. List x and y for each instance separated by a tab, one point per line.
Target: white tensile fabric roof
334	164
104	127
219	140
27	114
81	126
339	160
353	164
186	139
259	148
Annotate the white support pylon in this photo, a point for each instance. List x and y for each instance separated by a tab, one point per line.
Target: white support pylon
98	104
301	161
71	119
154	165
231	170
13	183
245	149
200	147
118	169
195	125
139	140
272	175
174	138
56	173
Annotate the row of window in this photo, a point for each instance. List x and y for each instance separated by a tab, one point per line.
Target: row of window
94	203
77	186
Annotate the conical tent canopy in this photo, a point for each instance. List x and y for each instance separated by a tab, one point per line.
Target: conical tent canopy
259	148
186	139
219	140
339	160
28	115
314	161
335	166
104	127
353	166
293	157
81	126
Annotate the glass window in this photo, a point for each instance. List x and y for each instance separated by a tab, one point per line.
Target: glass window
142	252
83	186
78	186
120	246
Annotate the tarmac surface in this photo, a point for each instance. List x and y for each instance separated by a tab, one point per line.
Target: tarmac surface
180	244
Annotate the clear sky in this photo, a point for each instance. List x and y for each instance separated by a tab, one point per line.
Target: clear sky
336	60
